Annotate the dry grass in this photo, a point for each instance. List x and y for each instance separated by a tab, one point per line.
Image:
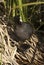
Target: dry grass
18	55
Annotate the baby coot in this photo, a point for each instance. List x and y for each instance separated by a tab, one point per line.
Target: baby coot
22	30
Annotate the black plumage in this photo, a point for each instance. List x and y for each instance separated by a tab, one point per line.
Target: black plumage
22	30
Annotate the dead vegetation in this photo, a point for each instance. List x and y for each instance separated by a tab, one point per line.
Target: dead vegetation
14	53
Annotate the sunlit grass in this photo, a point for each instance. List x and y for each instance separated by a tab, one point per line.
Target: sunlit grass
21	9
28	4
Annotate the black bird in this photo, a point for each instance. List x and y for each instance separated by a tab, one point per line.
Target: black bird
22	30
